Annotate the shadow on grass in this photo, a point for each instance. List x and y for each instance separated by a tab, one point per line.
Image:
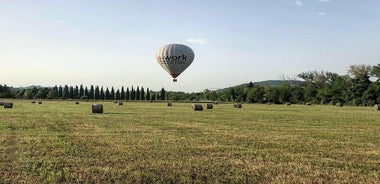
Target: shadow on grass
114	113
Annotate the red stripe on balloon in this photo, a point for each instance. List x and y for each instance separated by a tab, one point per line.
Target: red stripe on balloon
174	75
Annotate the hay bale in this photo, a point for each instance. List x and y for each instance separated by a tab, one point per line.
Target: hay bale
238	105
288	103
308	103
339	104
77	102
197	107
97	108
377	107
8	105
169	104
115	102
209	106
120	102
33	102
39	102
1	103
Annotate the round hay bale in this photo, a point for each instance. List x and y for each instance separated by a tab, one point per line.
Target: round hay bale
120	102
169	104
308	103
288	103
97	108
238	105
8	105
209	106
39	102
377	107
77	102
115	102
1	103
268	103
339	104
33	102
197	107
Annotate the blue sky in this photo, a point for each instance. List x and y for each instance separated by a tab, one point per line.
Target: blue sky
113	43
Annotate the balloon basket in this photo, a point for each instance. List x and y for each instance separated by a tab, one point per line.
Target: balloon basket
174	80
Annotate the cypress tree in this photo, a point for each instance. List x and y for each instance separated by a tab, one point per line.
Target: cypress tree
147	94
108	95
97	93
117	96
142	93
112	94
122	93
81	91
101	93
133	94
86	92
76	92
163	94
66	92
71	92
60	91
127	94
91	92
138	93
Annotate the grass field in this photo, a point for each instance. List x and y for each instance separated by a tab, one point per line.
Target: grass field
60	142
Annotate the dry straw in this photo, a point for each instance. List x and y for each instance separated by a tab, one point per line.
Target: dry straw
8	105
97	108
197	107
238	105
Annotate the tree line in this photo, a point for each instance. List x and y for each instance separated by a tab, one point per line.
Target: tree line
83	92
359	87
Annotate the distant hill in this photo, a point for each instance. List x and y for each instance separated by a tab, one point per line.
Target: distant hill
272	83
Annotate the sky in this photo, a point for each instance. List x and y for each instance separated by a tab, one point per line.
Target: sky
113	43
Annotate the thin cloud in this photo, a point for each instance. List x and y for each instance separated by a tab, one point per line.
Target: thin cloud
324	1
364	6
197	40
299	3
321	13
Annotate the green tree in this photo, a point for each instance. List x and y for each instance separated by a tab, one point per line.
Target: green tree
102	96
42	93
127	94
108	94
117	95
138	94
112	94
148	94
142	94
97	93
60	91
163	94
53	94
122	93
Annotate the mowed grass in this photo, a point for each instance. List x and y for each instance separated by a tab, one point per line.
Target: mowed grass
60	142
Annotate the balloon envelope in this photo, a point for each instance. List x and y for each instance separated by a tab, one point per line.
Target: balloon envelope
175	58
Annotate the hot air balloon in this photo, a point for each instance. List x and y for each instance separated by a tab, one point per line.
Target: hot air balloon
175	58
